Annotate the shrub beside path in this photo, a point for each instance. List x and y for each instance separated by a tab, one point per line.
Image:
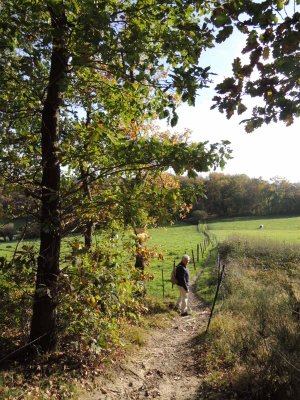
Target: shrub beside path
168	367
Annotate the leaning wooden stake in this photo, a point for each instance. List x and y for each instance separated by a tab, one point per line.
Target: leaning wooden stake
215	299
193	258
163	283
219	266
174	265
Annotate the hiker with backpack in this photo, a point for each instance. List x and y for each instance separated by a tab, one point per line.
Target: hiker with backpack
182	281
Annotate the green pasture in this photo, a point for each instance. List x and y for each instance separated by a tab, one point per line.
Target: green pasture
172	242
7	249
176	240
282	229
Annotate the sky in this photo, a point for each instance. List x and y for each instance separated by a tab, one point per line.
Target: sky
269	152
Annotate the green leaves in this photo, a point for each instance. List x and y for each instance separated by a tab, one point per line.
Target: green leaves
224	34
273	51
174	120
221	20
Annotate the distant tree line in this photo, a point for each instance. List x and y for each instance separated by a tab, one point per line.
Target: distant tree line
239	195
217	195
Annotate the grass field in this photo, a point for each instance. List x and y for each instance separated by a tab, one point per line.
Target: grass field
174	241
177	240
253	342
282	229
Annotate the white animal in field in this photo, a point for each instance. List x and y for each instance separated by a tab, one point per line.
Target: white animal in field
261	226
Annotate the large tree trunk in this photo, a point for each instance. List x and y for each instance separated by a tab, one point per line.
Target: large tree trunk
43	325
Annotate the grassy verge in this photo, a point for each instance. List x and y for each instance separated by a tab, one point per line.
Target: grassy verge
253	345
207	282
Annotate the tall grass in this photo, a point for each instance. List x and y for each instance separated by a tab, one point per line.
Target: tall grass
254	337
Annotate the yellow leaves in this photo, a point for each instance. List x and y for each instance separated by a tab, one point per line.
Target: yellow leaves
147	253
142	237
77	245
141	230
166	181
76	5
184	210
131	131
91	300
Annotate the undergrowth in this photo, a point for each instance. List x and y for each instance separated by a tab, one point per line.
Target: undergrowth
103	311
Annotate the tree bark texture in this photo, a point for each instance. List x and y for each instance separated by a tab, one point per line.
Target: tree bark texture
44	324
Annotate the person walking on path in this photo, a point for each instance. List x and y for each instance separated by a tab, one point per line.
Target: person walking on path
183	277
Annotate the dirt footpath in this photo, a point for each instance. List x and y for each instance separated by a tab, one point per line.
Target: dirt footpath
167	367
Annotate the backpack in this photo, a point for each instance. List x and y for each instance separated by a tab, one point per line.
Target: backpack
173	276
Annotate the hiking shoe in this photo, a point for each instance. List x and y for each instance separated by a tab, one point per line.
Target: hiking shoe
185	314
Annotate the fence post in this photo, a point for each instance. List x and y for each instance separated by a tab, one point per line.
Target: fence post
219	265
163	282
193	258
215	298
197	252
174	265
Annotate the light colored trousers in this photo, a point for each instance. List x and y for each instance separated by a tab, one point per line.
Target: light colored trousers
182	301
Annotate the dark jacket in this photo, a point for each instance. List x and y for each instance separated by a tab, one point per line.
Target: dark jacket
182	276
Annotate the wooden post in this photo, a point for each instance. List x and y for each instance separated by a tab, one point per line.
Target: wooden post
197	252
174	265
163	282
219	266
215	299
193	259
201	248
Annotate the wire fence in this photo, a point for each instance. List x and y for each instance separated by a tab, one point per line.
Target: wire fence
198	253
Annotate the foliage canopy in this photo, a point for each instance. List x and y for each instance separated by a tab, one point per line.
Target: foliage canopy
80	81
